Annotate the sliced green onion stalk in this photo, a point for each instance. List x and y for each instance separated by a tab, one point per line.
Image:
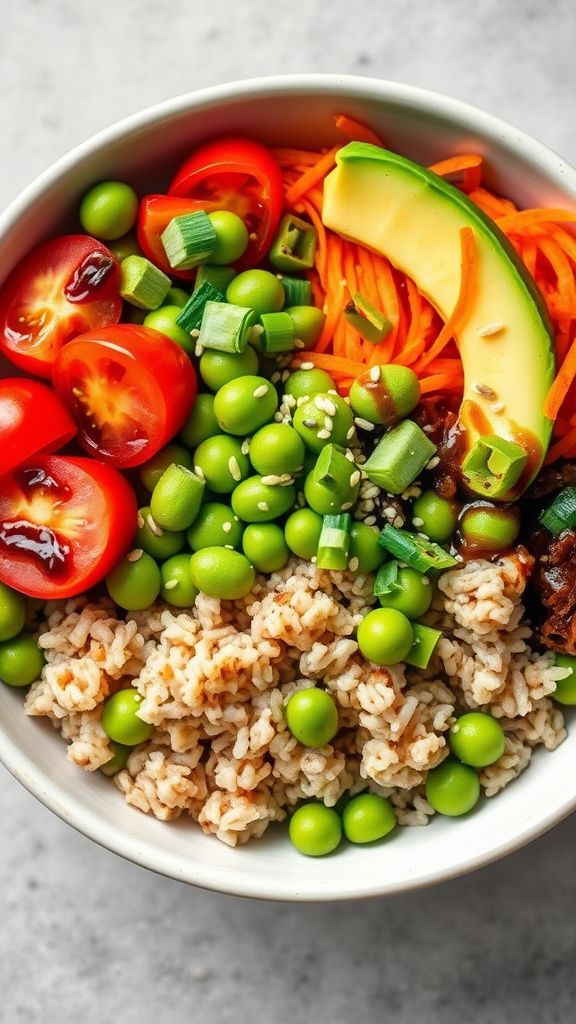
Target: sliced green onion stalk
188	240
366	319
218	277
416	552
226	327
334	470
334	543
294	246
190	318
423	646
386	581
561	514
142	284
493	466
399	457
297	291
278	334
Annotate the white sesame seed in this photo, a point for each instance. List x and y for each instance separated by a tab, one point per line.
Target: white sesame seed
353	564
363	424
194	333
349	455
370	520
328	424
234	468
323	435
389	510
350	433
278	417
330	407
271	480
313	559
170	584
298	343
260	391
285	375
227	527
425	581
140	521
427	428
134	555
290	401
199	351
375	373
417	521
497	406
489	329
346	506
433	462
263	506
199	472
245	446
307	366
276	376
355	478
229	547
286	478
153	526
398	522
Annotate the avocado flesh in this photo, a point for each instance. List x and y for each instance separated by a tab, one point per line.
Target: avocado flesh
414	218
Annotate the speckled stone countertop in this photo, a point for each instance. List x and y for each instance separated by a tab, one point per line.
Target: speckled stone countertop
86	937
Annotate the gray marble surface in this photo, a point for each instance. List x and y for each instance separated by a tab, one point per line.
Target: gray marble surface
86	937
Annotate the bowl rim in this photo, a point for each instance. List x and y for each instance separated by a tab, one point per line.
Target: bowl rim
71	810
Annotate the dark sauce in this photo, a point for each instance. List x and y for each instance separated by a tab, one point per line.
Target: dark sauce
88	276
380	395
39	543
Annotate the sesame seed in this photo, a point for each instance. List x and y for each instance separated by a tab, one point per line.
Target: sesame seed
427	428
349	455
199	472
300	499
235	471
328	424
484	390
298	343
290	401
153	526
260	391
417	521
490	329
319	402
346	506
140	521
275	378
353	564
285	375
227	527
398	522
332	391
375	373
363	424
370	521
323	435
306	366
355	478
245	446
330	407
229	547
199	351
134	555
278	417
350	433
286	478
311	424
425	581
313	559
263	506
497	406
170	584
433	462
271	480
389	510
194	333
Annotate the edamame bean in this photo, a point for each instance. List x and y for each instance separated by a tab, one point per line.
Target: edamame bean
134	584
276	449
120	719
242	406
477	739
256	289
222	463
312	716
118	761
366	554
12	612
109	210
435	516
176	297
21	660
265	547
177	497
231	237
308	322
152	470
126	246
385	636
302	531
490	528
177	585
307	383
367	817
411	595
219	368
256	502
221	573
324	419
160	544
215	526
315	830
565	692
452	788
163	320
201	422
385	394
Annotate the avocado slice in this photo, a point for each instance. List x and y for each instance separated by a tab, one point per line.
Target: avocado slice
408	214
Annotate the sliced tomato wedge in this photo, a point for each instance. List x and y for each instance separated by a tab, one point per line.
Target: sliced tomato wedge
129	389
154	215
59	290
32	419
240	175
64	524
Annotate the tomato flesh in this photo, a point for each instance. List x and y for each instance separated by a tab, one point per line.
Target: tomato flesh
128	388
64	524
154	215
61	289
32	419
240	175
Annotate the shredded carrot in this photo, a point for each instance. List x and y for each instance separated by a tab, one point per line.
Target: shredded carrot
559	389
514	222
564	448
469	163
312	176
355	130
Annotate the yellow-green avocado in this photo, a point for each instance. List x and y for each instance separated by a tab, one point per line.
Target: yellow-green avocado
414	218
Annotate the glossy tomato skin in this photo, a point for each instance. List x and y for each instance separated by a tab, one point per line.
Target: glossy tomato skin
61	289
64	524
154	215
128	388
32	419
238	174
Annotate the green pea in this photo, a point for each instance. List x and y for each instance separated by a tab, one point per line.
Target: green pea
385	636
265	547
386	398
412	594
163	320
312	717
160	544
219	368
232	237
452	788
477	739
152	470
176	499
134	584
177	586
565	692
201	422
242	406
256	502
315	830
435	516
490	528
365	549
21	660
176	297
215	526
120	719
277	448
302	531
222	463
118	761
324	419
307	383
109	210
324	500
221	573
12	612
308	322
126	246
368	817
256	289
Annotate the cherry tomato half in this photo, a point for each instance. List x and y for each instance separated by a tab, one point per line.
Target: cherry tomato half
59	290
64	524
154	215
129	389
32	419
240	175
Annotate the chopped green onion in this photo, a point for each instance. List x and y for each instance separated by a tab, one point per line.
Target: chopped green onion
294	245
334	543
416	552
218	277
367	320
334	470
493	466
278	333
191	315
386	581
561	515
423	646
142	284
399	457
226	327
297	291
189	240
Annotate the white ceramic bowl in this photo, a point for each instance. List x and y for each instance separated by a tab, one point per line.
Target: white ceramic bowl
145	148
